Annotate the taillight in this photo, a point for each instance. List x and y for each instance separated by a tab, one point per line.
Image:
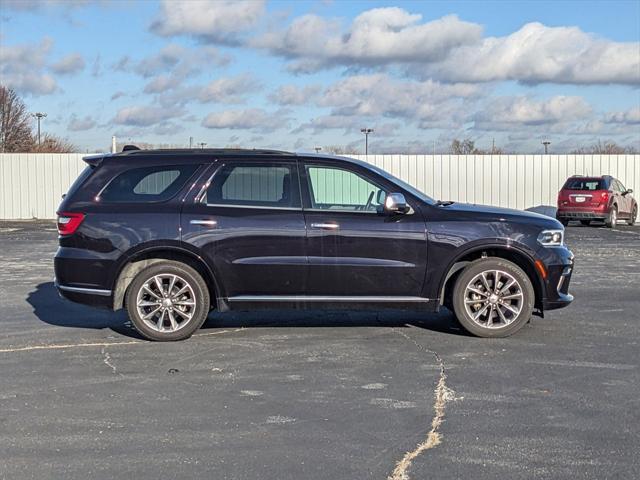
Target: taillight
604	197
68	222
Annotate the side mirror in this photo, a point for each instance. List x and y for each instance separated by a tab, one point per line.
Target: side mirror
628	191
395	203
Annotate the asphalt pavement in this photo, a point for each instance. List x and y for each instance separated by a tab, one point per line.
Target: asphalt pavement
321	395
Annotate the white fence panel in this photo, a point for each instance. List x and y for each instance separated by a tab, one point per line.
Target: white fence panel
31	185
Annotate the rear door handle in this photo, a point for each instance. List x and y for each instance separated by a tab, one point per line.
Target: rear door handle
206	223
325	226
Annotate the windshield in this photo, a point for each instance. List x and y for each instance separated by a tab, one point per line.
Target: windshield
401	183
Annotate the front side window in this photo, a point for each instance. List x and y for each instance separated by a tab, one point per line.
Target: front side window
343	190
254	186
148	184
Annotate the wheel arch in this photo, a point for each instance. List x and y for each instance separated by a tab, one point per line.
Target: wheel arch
513	254
141	259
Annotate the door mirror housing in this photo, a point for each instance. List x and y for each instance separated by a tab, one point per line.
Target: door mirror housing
627	191
395	203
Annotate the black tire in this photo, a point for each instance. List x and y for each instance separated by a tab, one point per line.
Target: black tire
516	322
586	223
612	218
199	291
563	221
634	214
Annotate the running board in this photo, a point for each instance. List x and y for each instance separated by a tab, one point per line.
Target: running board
323	298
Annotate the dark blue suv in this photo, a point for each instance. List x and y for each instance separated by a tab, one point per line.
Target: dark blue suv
171	234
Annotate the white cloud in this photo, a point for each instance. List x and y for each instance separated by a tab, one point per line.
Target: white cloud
217	21
250	119
380	95
228	90
537	53
69	64
509	113
80	124
376	37
629	117
144	116
293	95
22	67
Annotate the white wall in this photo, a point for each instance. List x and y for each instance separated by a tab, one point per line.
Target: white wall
31	185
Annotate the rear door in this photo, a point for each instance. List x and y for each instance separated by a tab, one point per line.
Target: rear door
247	221
355	250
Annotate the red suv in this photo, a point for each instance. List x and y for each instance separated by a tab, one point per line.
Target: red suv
596	198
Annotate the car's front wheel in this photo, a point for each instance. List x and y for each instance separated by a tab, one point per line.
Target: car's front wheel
167	301
493	297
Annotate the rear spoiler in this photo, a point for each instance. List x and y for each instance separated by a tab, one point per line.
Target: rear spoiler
95	160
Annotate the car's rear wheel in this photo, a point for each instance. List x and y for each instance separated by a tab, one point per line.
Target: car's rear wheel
493	297
586	223
167	301
634	215
612	219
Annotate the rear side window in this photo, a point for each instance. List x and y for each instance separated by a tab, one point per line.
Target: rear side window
585	184
75	186
148	184
254	185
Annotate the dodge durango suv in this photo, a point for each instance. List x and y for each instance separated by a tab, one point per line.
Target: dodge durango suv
169	235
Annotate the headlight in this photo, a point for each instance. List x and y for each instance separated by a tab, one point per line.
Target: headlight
551	238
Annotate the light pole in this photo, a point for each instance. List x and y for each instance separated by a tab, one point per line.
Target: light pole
39	116
317	149
546	144
202	144
366	132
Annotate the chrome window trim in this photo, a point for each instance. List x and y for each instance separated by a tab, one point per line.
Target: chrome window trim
224	205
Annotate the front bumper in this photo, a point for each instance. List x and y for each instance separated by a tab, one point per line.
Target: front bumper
559	264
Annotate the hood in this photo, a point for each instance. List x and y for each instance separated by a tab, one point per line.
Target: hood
491	213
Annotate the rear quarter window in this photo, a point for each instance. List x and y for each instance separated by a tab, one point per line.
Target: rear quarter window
147	184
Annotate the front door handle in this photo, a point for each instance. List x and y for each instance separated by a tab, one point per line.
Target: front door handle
206	223
325	226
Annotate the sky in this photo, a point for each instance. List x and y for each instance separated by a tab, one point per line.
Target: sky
305	74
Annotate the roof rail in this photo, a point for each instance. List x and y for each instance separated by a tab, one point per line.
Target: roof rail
208	151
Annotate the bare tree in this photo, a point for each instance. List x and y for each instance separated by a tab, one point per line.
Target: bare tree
340	150
15	132
52	144
607	147
464	147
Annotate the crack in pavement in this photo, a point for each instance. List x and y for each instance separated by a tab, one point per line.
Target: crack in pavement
107	362
62	346
443	395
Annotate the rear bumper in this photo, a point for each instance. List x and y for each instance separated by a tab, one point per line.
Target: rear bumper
88	296
578	215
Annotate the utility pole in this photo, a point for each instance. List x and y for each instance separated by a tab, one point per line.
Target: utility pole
366	132
114	144
39	116
546	144
190	142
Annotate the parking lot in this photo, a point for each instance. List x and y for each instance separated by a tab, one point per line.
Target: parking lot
321	395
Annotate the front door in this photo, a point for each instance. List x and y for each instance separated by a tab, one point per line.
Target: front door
248	222
354	249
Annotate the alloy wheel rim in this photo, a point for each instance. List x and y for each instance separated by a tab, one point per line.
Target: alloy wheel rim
614	216
166	303
493	299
